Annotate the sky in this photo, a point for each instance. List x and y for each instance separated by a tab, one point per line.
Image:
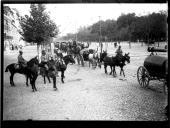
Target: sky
69	17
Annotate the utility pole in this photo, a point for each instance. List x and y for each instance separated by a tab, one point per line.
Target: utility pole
100	36
76	32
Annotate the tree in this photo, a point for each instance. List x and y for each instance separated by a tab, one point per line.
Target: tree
38	28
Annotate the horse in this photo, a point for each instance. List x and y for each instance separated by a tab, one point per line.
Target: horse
30	71
75	51
116	61
59	66
91	56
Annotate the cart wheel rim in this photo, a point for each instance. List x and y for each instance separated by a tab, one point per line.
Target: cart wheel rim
143	76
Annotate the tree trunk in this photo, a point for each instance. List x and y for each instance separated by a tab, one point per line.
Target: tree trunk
38	46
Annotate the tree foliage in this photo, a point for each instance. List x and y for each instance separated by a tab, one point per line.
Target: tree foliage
38	27
128	27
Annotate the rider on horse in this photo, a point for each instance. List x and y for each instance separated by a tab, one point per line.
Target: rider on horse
52	66
21	61
119	53
44	57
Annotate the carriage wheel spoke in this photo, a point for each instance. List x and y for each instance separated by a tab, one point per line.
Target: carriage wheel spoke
140	81
143	76
145	82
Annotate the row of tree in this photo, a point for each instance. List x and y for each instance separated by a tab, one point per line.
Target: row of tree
128	27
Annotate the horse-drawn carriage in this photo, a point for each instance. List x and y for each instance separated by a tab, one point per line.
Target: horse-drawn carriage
155	67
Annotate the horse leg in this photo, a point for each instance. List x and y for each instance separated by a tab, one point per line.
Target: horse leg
114	71
27	80
123	72
32	85
11	80
44	79
111	70
54	83
62	76
105	67
35	77
48	79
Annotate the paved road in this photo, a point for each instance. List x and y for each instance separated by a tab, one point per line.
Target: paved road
87	94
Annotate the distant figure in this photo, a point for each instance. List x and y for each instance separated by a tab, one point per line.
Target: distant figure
12	47
115	44
119	42
74	43
21	61
129	44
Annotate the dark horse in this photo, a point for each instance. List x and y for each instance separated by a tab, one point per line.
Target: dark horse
115	61
75	51
59	66
30	71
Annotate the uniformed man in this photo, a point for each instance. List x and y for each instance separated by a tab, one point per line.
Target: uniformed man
43	57
52	66
119	51
21	61
119	54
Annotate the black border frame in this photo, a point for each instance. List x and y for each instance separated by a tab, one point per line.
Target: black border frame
78	123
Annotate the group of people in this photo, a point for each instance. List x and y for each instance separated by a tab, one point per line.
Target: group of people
44	59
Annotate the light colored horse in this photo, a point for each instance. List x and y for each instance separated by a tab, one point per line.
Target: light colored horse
93	58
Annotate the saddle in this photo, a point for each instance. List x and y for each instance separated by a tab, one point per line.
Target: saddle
19	66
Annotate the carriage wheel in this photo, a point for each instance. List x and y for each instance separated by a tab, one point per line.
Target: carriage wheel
143	76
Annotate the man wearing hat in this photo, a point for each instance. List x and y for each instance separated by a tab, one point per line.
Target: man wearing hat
52	67
21	61
119	52
43	57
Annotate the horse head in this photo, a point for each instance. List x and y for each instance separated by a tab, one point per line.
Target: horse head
103	55
33	61
127	57
69	59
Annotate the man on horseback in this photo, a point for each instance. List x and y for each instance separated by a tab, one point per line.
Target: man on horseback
43	62
44	57
21	61
52	67
119	53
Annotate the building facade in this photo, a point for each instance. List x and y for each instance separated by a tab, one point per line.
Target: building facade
11	25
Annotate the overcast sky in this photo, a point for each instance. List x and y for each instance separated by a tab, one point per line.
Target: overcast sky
71	16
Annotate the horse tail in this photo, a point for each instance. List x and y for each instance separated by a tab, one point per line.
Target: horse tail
7	68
